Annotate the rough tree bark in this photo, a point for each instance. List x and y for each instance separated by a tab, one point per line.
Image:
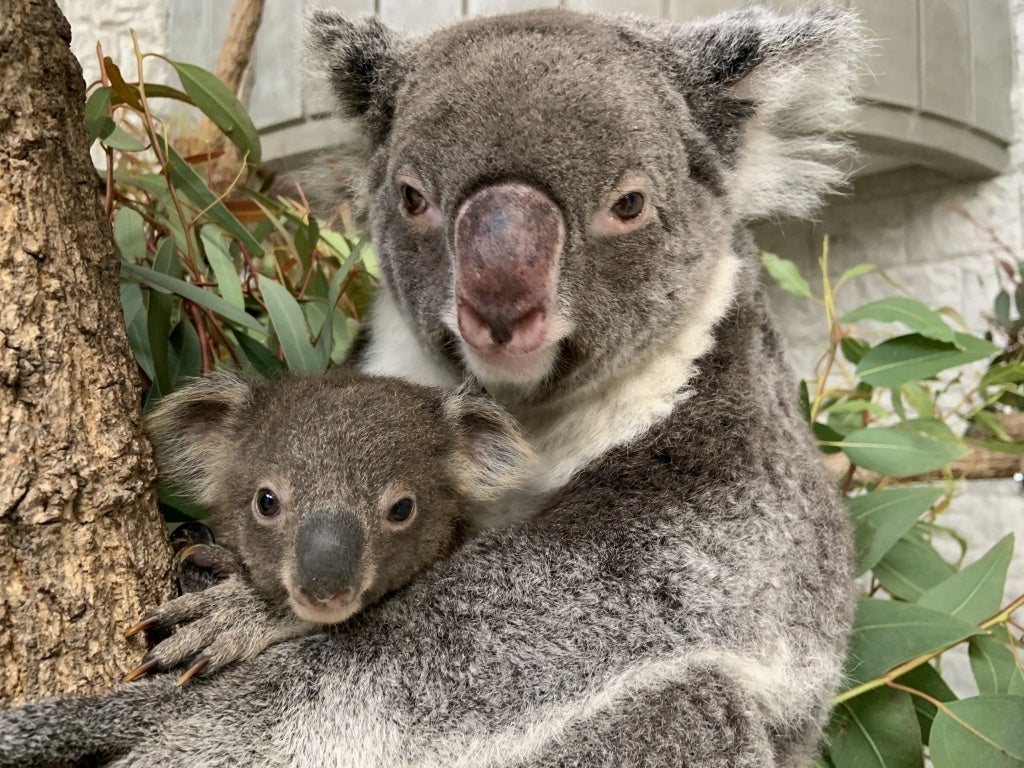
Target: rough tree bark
82	547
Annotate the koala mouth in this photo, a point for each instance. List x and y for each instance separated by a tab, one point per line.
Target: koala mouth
330	610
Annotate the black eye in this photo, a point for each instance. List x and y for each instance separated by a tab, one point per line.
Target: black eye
413	200
266	502
629	206
400	510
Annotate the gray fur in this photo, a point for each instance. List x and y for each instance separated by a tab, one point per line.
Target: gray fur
677	591
337	451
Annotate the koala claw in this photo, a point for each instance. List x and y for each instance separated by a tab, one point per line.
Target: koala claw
198	666
228	622
144	624
140	671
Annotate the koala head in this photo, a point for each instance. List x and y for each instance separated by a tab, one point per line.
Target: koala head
553	194
335	490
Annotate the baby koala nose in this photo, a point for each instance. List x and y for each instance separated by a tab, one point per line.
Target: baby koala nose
329	548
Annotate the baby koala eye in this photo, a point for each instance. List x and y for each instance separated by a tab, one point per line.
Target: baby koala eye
266	503
401	510
628	206
413	200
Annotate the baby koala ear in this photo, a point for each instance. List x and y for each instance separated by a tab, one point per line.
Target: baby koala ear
191	431
493	454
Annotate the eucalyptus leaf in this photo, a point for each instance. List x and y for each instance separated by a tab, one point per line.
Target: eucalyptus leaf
911	567
259	359
983	731
130	234
887	633
290	325
910	312
134	307
786	274
159	316
229	284
926	679
995	666
974	593
899	452
881	518
218	103
97	113
193	186
878	729
195	294
913	357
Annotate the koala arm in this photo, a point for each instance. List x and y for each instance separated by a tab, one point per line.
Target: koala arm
227	622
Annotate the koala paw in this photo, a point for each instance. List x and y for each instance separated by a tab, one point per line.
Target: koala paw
228	622
201	566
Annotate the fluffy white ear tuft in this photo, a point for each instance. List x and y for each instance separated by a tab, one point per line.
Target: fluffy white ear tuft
792	150
774	94
191	431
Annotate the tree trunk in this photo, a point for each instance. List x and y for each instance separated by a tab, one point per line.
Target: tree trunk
83	550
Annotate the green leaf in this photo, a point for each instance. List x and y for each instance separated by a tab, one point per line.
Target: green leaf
195	294
878	729
910	312
307	235
988	421
898	452
975	592
161	310
260	359
218	103
853	349
98	122
1002	308
995	666
192	186
881	518
857	271
290	326
827	436
186	360
130	234
336	244
859	406
911	567
926	679
228	283
786	274
920	399
804	399
1003	373
134	307
118	138
985	731
887	633
913	357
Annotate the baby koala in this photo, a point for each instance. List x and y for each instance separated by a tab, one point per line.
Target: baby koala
333	490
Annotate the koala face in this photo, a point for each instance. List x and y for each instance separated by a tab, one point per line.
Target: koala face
523	189
334	490
554	195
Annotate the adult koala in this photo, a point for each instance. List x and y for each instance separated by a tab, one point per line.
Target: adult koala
558	201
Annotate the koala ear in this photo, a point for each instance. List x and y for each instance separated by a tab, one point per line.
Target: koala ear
493	454
190	431
364	62
773	94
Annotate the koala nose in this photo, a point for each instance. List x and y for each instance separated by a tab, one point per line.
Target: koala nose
329	547
508	245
